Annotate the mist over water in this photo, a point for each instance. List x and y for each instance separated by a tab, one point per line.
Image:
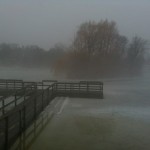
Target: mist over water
27	74
39	74
103	40
119	121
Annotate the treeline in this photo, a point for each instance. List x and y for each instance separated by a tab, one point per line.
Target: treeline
29	56
98	50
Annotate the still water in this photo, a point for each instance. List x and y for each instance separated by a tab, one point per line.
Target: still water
121	121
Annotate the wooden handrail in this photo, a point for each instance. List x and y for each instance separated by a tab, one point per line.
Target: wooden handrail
36	96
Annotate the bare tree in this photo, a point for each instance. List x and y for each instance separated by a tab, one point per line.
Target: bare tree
99	38
136	50
98	49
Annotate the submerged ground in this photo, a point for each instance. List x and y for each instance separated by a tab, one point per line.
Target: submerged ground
118	122
121	121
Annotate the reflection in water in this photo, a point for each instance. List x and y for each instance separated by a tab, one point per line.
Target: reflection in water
30	134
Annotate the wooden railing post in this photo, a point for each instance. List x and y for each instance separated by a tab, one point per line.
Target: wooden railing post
6	133
102	91
87	87
35	102
79	87
15	98
22	84
24	117
56	88
48	96
43	96
6	84
42	101
20	121
65	88
3	107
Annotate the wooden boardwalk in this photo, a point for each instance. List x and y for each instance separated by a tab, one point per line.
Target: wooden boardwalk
21	102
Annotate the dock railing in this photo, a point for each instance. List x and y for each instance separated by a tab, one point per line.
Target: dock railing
31	99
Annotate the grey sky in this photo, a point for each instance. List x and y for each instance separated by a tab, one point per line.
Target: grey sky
46	22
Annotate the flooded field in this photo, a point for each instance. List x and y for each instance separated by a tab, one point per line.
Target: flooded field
118	122
121	121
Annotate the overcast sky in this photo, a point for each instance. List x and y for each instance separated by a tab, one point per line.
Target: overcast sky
46	22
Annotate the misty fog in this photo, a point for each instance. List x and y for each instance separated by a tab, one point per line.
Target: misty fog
44	23
99	40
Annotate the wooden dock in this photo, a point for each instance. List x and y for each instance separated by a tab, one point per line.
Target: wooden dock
21	102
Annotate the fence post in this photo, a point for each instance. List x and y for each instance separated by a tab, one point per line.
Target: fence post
35	107
102	91
3	107
15	98
6	133
20	121
43	100
53	90
79	88
24	118
22	84
87	87
6	84
48	96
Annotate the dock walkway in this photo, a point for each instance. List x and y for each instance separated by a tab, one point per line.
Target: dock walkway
21	102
